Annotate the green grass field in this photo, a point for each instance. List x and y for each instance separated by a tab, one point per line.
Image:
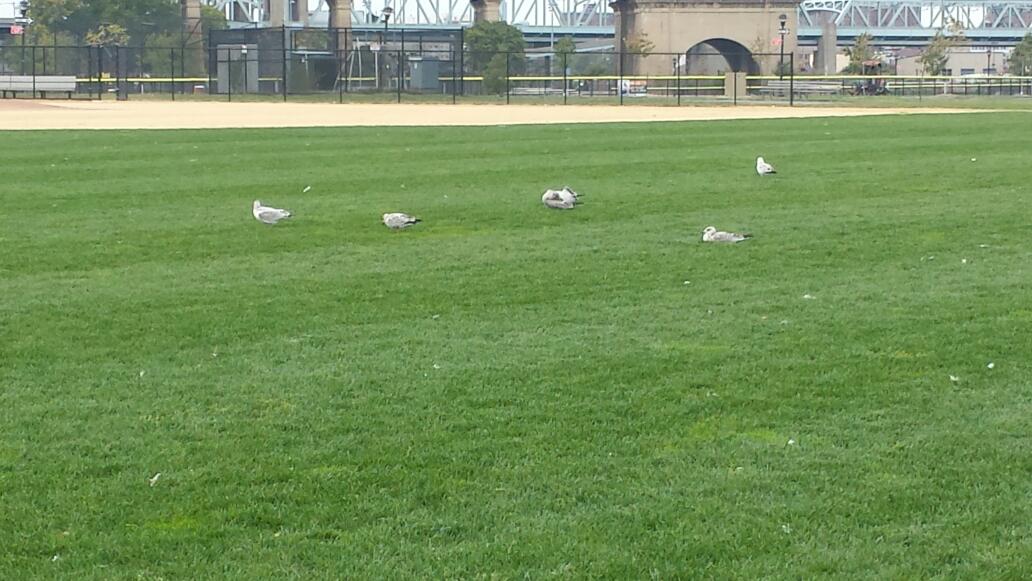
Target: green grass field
506	391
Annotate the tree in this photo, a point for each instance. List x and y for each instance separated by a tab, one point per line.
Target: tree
157	57
935	56
562	52
137	18
213	19
1020	59
564	45
640	45
494	48
108	35
858	53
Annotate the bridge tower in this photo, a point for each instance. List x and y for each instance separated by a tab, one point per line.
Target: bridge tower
736	32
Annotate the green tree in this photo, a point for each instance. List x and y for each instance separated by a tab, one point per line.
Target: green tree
1020	59
213	19
158	54
562	53
564	46
493	48
136	18
108	35
858	53
935	56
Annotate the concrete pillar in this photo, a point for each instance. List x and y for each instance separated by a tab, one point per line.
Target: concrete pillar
191	17
340	13
827	50
194	59
278	15
620	8
301	9
734	85
486	10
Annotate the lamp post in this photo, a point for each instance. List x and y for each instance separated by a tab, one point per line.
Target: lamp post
385	15
23	11
243	53
782	19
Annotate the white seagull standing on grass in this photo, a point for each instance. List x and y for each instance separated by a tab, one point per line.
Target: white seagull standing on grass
711	234
267	215
399	221
764	168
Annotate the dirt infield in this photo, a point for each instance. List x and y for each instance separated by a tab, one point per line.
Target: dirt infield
26	114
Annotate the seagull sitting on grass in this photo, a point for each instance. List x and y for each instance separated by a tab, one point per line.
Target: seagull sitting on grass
267	215
764	168
564	199
399	221
569	194
711	234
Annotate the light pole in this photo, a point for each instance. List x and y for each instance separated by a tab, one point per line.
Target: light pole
782	19
385	15
243	53
23	11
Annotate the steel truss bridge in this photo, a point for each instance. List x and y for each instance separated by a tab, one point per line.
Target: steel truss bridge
897	22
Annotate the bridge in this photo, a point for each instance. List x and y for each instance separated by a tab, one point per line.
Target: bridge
889	22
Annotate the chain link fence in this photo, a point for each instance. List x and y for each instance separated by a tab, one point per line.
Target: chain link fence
395	65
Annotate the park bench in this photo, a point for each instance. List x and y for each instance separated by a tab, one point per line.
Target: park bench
15	84
781	88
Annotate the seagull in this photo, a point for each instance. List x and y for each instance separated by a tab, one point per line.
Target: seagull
267	215
763	167
559	199
569	194
399	221
711	234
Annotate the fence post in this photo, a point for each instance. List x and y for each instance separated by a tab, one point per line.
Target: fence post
734	87
100	73
619	83
506	78
400	73
454	79
33	71
347	73
89	72
208	61
791	79
182	66
172	68
341	66
229	73
566	82
118	73
462	61
283	39
677	70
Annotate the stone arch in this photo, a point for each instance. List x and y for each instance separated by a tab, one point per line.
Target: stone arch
675	26
720	55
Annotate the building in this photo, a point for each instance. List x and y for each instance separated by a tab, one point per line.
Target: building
961	62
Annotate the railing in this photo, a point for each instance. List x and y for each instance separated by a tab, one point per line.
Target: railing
243	71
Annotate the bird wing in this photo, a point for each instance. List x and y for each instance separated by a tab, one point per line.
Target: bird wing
559	203
272	214
725	237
